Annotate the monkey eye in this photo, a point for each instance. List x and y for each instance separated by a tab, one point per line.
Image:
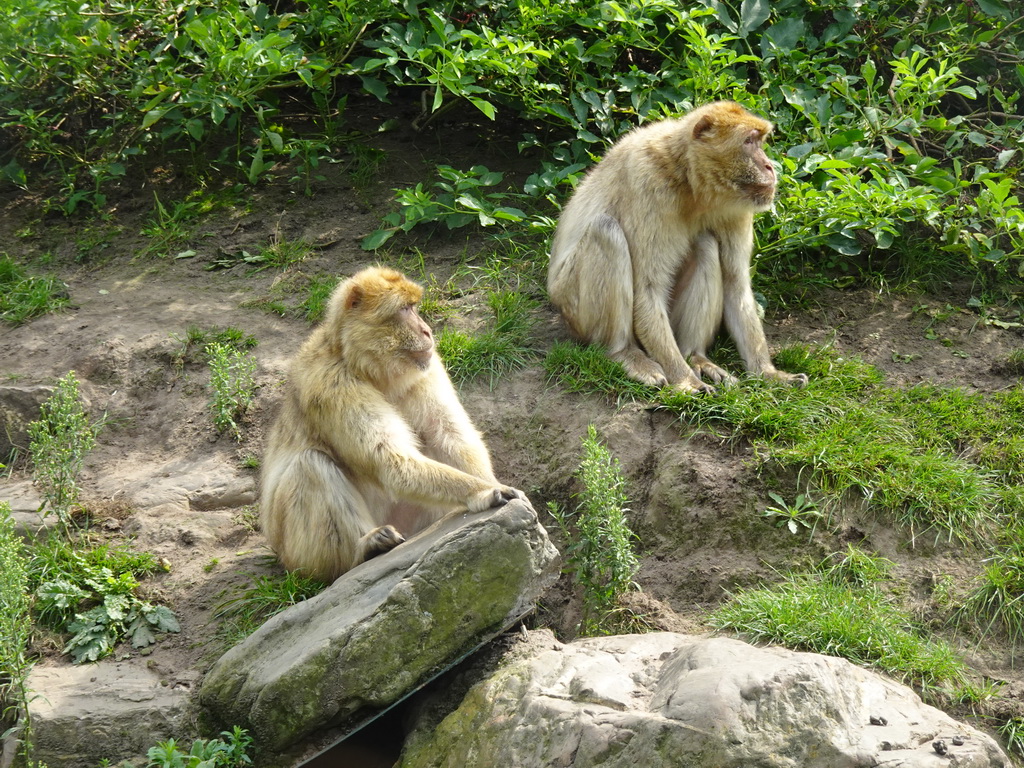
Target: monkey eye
753	138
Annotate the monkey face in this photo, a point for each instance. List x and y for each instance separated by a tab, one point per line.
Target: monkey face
415	339
757	174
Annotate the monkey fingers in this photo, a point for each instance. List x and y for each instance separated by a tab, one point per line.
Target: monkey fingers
694	386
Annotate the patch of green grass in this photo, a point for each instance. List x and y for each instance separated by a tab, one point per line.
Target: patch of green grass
599	549
279	253
1015	361
247	610
196	339
318	292
495	352
809	613
23	296
847	433
995	604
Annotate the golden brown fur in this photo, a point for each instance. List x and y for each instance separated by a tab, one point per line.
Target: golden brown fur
652	253
371	435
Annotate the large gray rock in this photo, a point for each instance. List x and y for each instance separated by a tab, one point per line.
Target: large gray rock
666	699
384	628
97	712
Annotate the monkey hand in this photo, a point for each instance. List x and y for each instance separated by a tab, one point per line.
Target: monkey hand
494	497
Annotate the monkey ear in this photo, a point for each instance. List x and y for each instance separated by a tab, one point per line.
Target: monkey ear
703	125
354	298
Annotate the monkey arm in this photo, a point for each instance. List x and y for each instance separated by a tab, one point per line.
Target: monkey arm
740	308
375	444
448	435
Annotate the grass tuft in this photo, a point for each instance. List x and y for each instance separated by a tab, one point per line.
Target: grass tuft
23	297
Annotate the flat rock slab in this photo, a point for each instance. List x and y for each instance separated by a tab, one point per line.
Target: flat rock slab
85	714
664	700
383	629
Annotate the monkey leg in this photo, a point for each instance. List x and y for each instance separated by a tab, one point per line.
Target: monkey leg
323	523
593	288
697	308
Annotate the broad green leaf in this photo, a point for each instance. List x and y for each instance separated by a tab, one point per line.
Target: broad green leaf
375	87
753	13
377	239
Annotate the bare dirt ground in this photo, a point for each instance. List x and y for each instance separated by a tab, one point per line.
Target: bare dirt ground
161	474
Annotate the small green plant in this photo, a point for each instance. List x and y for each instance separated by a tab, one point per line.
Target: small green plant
233	381
23	297
244	612
90	593
15	623
600	551
59	442
800	514
458	200
229	751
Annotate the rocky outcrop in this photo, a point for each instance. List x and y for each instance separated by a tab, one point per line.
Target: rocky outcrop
18	407
384	628
96	712
666	699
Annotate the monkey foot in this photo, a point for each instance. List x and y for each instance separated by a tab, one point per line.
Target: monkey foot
382	539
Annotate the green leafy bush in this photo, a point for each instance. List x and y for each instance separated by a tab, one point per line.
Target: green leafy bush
59	442
233	381
15	622
599	549
229	751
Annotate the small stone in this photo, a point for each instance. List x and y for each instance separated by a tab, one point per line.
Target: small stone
958	741
940	747
877	720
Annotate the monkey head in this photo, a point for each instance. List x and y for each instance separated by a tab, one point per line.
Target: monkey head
729	139
373	316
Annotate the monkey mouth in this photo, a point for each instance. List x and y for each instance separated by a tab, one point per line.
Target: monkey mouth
421	357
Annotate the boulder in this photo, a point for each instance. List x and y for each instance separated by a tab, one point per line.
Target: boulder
383	629
666	699
97	712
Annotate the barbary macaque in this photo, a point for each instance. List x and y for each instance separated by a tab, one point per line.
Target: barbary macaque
652	252
371	437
